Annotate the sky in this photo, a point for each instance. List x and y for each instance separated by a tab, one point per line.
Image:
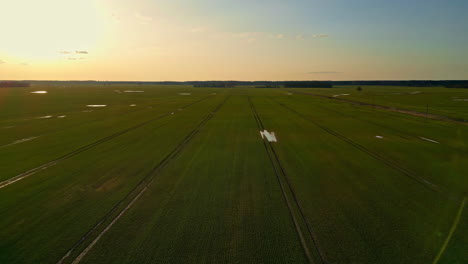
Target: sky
181	40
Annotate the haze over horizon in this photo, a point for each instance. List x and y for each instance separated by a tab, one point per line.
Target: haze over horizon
143	40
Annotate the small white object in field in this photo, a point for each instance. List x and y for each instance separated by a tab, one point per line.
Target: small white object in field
336	95
19	141
96	105
39	92
62	116
133	105
130	91
379	137
270	136
44	117
430	140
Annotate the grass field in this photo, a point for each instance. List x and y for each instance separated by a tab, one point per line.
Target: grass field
174	174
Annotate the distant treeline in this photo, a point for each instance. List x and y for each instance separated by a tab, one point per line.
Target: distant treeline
264	84
447	83
4	84
257	84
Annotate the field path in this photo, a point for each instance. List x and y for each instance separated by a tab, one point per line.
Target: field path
452	230
392	109
394	165
49	164
135	193
316	256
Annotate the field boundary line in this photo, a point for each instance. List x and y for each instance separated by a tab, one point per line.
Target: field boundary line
451	232
143	185
281	173
392	109
30	172
429	185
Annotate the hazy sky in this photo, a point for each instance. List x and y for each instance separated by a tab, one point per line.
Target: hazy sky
233	39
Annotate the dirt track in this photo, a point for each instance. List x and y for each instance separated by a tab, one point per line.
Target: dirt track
393	109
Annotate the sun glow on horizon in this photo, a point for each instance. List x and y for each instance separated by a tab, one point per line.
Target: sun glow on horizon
37	31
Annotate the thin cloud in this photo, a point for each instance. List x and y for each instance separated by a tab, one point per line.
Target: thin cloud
115	18
280	36
324	72
81	52
198	30
320	36
143	19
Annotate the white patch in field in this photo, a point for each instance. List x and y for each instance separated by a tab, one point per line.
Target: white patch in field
62	116
416	92
19	141
336	95
180	109
130	91
430	140
172	113
185	94
39	92
44	117
133	105
379	137
270	136
96	105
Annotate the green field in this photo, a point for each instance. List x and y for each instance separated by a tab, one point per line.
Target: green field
175	174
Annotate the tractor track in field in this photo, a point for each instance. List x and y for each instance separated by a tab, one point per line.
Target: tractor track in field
113	215
394	165
397	131
392	109
280	173
49	164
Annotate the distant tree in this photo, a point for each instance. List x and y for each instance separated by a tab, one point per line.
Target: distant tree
13	84
359	88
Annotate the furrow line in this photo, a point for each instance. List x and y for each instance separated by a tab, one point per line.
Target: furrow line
281	174
31	172
392	109
402	133
136	193
391	164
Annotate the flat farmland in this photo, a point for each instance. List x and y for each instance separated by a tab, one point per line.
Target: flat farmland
176	174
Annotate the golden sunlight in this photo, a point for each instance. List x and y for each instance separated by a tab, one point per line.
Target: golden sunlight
49	29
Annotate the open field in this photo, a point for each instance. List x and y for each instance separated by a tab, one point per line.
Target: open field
175	174
442	101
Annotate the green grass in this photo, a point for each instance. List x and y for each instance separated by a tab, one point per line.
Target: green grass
394	199
434	100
